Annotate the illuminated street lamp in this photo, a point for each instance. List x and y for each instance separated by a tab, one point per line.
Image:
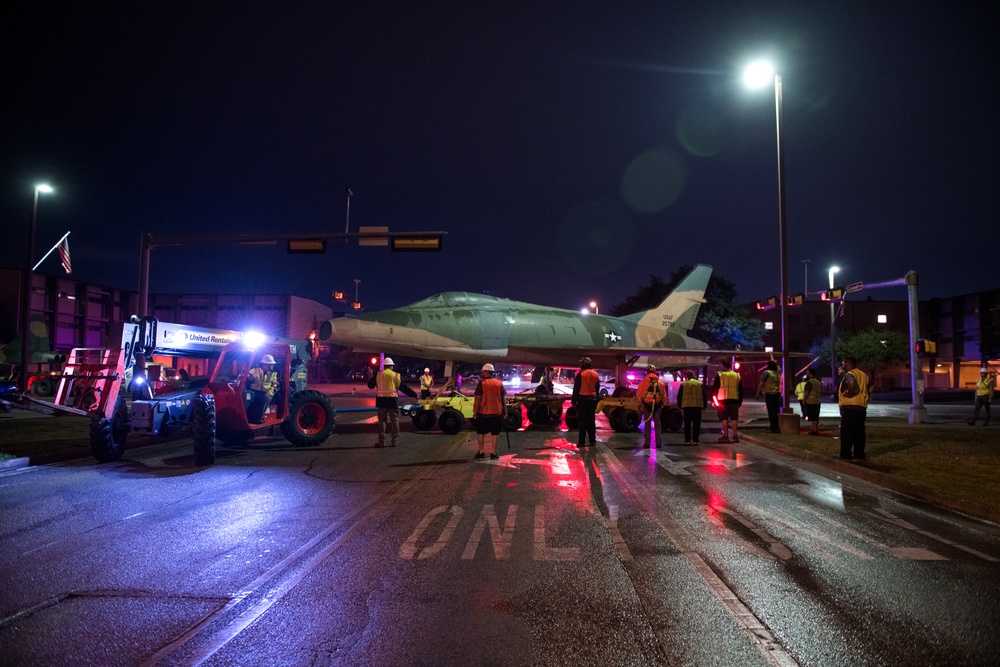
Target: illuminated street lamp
833	334
41	188
758	75
592	307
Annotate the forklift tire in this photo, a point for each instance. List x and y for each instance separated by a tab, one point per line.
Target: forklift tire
108	434
513	418
623	392
615	419
310	419
672	419
423	420
572	418
42	387
451	421
203	429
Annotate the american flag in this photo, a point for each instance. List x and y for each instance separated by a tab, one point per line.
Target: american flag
64	255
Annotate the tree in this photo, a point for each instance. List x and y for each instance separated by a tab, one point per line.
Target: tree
875	349
720	323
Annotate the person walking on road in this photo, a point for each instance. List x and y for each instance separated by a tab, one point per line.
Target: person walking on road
984	395
488	409
728	391
387	384
811	399
586	389
692	402
426	382
652	396
852	395
770	386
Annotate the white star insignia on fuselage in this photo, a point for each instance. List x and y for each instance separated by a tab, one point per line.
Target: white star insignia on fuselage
613	337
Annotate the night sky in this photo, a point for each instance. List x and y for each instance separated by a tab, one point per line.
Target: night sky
569	149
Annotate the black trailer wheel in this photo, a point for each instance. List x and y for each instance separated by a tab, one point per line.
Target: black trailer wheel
203	429
621	392
451	421
423	420
538	413
630	420
615	419
310	420
572	418
513	419
108	434
672	419
43	387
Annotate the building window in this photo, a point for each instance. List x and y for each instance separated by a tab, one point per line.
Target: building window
768	348
769	326
882	319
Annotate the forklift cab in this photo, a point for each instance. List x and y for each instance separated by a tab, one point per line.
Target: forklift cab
231	385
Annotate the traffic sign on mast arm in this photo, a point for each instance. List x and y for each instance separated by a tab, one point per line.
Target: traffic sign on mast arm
854	287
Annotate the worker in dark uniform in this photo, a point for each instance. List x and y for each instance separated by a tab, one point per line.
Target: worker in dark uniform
852	395
586	389
387	384
692	402
488	408
652	397
770	386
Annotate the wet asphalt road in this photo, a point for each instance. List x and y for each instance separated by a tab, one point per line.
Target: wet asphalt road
345	554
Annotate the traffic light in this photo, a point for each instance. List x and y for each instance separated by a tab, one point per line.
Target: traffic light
796	299
836	294
925	347
767	304
373	361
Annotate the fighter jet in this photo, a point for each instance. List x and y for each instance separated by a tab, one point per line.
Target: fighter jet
462	326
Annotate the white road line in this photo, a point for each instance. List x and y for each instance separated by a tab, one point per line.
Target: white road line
219	639
761	637
775	545
899	552
811	536
886	516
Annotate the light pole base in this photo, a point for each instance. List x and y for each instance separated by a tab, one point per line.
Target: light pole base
789	423
918	414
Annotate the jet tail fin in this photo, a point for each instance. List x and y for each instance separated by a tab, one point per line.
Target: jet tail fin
679	310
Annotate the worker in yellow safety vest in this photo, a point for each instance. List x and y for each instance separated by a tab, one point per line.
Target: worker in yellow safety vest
852	395
263	384
426	382
811	399
387	384
692	402
728	391
984	394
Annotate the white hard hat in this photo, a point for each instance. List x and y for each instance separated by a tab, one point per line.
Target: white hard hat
651	368
488	367
388	362
984	370
267	359
427	370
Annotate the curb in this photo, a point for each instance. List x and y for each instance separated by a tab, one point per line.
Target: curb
10	464
859	470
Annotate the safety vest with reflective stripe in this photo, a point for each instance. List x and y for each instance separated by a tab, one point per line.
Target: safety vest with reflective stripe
692	394
771	382
800	390
651	389
426	381
861	398
729	386
387	383
491	400
589	382
266	382
984	387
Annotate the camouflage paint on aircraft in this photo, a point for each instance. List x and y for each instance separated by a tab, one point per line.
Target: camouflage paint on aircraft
461	326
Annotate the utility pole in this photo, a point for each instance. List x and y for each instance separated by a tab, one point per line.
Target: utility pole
805	284
347	224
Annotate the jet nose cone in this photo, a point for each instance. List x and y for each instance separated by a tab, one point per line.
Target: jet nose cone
333	330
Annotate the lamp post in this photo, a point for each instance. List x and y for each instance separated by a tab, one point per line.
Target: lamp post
593	304
833	334
757	75
26	287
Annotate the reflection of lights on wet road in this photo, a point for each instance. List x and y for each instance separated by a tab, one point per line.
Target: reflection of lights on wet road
716	464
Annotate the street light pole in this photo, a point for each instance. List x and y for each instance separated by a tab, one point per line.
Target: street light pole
593	304
833	334
26	288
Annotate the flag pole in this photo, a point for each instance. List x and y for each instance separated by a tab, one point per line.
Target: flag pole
35	268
